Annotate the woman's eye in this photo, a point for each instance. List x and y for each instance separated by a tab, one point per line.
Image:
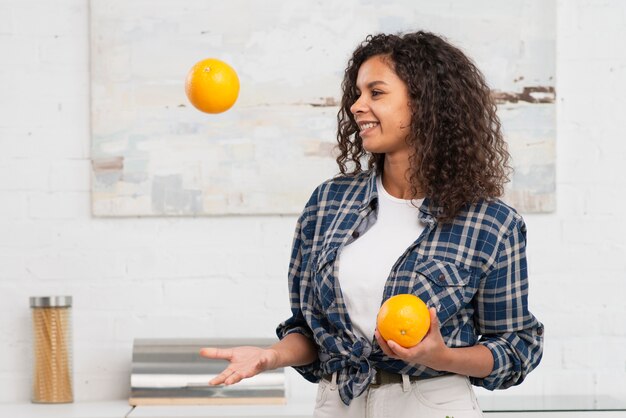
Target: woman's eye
376	93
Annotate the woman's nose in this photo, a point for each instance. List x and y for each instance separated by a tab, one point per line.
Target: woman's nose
358	106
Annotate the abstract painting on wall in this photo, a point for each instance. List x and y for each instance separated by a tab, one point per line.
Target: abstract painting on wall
153	154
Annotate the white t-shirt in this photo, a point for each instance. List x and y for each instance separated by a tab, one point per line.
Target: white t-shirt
365	264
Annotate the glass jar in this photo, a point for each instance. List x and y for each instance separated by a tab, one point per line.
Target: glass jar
52	349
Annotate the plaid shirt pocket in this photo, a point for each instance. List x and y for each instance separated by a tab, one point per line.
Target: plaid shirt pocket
445	286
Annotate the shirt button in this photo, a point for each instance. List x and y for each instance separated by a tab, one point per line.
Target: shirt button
355	234
540	331
441	278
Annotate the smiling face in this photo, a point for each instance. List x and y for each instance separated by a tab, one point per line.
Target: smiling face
382	109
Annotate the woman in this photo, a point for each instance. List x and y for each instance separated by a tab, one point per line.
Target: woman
423	218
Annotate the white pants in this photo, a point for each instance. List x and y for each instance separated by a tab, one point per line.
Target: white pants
438	397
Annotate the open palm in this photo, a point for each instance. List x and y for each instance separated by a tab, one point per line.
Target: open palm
244	362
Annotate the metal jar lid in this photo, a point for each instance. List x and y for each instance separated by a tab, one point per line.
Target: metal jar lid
50	301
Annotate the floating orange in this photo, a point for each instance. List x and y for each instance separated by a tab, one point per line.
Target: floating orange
404	319
212	86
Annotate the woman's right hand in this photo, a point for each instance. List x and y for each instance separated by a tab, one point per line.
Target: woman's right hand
244	362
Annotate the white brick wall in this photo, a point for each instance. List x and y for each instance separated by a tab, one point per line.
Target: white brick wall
185	277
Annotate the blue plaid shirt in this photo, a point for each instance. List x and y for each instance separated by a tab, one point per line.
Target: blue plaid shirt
472	270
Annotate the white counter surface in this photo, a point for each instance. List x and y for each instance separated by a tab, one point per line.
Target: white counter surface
109	409
504	408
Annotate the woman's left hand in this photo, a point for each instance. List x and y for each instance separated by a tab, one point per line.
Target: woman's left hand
431	352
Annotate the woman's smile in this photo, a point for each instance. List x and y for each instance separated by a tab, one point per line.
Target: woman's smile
366	128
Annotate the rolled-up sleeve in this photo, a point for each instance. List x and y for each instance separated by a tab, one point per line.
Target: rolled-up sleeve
299	286
502	318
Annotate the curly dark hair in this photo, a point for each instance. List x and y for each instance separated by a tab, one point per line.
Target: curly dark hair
458	153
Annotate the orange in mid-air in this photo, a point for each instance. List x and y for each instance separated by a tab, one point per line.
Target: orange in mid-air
404	319
212	86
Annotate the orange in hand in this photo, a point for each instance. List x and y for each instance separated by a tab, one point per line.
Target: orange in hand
212	86
404	319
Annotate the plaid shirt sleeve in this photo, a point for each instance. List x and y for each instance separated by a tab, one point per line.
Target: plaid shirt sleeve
299	284
508	329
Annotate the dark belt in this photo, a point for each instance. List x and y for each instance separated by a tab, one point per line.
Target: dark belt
383	377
